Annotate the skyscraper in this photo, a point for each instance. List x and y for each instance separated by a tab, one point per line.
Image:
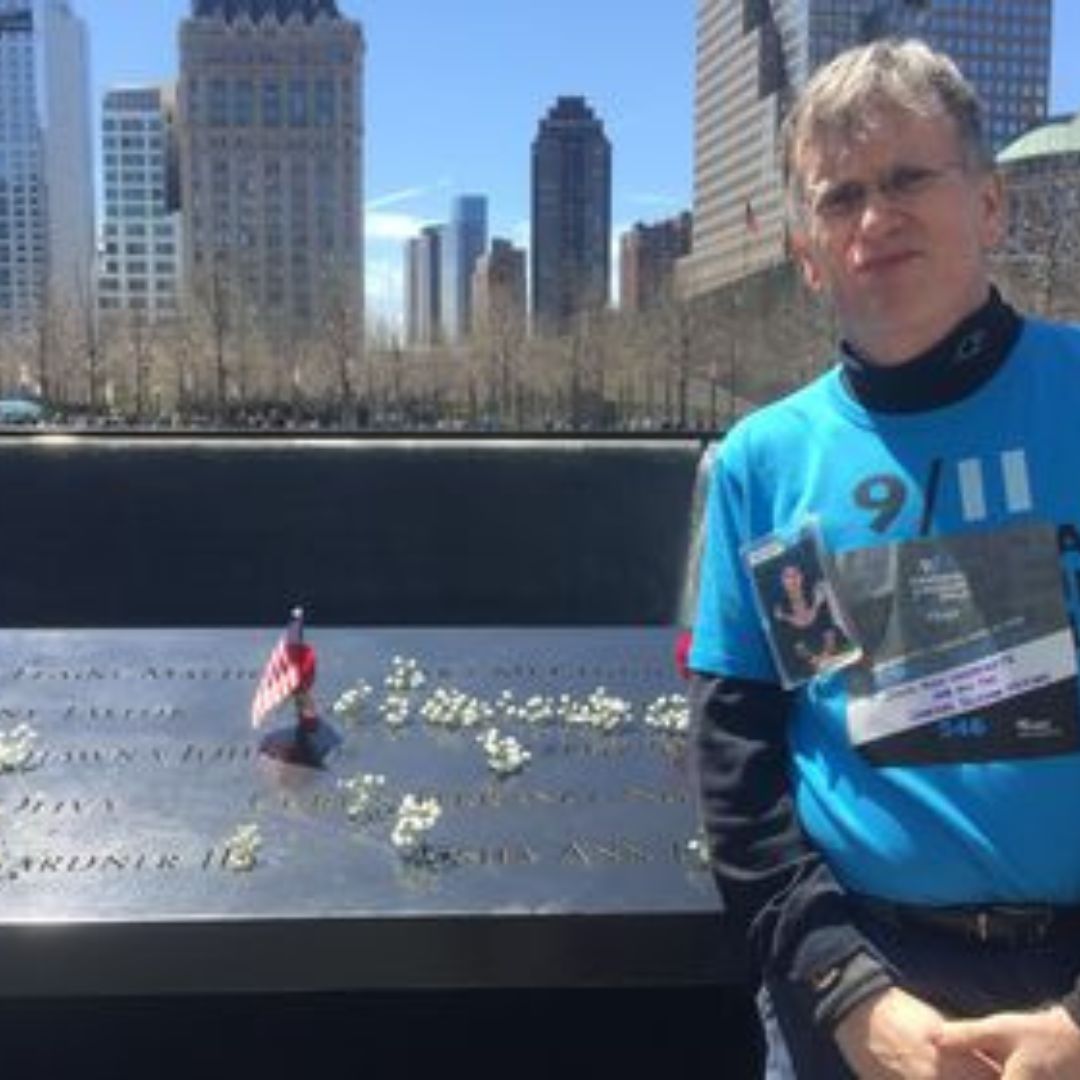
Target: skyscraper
271	140
1002	46
139	270
499	301
46	183
754	55
647	258
571	215
465	241
423	287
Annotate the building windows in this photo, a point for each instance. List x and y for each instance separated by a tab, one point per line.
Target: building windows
218	105
298	103
243	103
271	103
325	113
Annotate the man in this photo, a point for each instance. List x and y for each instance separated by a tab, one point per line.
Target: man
897	832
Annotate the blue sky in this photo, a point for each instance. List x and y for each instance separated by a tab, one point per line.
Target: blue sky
455	89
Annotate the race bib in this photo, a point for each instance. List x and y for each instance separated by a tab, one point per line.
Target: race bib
968	652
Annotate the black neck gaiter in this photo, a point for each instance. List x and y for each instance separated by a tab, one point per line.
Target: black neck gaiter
951	370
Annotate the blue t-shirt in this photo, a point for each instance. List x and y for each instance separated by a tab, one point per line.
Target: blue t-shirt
1007	456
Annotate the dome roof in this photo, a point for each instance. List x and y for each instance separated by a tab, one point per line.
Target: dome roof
1059	135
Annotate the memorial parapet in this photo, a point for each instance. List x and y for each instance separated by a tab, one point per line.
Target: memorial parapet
173	903
173	530
147	847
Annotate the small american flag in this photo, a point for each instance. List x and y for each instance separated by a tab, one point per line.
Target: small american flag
749	217
291	667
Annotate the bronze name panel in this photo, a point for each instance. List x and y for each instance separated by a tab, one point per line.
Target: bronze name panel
141	821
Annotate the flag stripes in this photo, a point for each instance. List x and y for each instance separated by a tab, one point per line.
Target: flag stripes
284	673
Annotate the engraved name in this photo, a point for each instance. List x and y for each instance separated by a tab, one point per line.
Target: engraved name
582	853
45	806
110	712
156	673
111	755
481	798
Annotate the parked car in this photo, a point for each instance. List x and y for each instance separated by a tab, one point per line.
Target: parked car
18	410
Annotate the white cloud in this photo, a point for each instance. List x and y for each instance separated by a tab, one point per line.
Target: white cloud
380	225
394	197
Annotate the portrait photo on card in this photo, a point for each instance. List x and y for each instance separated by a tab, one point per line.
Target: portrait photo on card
799	609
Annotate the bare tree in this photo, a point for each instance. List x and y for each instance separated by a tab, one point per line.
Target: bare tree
340	332
91	343
215	299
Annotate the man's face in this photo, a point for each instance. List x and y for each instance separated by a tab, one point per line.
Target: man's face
896	226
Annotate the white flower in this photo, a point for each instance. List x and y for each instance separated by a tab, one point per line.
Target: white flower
447	707
599	710
414	818
539	709
670	712
242	848
505	755
536	709
698	847
16	748
405	674
361	791
351	702
395	709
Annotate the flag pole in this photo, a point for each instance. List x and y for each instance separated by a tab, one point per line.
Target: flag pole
289	675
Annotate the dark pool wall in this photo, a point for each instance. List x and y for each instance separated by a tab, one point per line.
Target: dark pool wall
131	531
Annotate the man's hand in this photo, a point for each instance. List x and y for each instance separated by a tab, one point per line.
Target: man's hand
894	1036
1028	1046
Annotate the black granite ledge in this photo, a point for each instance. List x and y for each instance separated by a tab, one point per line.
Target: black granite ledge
226	957
566	1033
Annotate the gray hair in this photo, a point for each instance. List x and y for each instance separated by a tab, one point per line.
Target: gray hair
906	75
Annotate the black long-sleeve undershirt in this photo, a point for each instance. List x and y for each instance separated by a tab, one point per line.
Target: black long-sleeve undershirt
776	888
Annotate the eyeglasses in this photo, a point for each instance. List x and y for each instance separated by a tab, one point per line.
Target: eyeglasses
901	185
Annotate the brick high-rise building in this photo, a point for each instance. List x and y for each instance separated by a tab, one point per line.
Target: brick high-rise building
498	291
271	110
647	258
571	215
